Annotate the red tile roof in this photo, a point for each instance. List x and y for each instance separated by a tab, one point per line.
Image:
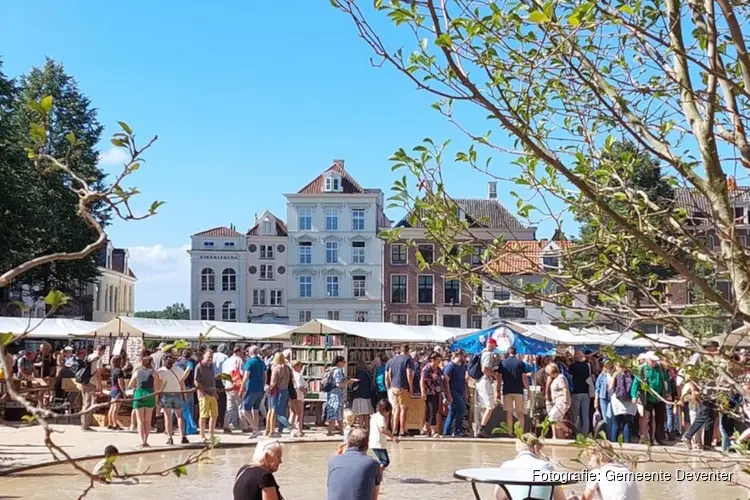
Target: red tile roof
522	257
220	231
317	185
281	229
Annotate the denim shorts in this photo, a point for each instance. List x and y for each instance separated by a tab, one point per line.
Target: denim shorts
253	400
172	400
382	455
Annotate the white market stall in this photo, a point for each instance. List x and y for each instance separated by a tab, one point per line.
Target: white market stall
49	328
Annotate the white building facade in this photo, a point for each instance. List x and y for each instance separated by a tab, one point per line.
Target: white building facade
335	257
218	275
267	250
113	292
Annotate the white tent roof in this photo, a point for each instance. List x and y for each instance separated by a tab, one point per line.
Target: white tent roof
596	336
167	329
253	331
387	332
49	328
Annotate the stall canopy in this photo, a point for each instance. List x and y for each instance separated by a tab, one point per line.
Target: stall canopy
49	328
383	332
162	329
737	338
253	331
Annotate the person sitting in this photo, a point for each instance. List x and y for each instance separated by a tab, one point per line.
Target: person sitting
256	481
353	475
605	469
528	449
105	468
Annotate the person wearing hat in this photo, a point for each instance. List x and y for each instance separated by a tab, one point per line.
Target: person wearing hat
485	392
654	407
69	358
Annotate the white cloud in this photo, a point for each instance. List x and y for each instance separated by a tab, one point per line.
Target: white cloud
163	276
113	156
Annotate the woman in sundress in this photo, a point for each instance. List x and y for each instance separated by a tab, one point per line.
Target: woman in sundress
558	400
336	397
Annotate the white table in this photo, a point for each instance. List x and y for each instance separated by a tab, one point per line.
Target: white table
510	477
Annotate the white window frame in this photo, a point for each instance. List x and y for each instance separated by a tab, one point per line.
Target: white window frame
427	245
333	184
358	253
208	280
460	320
266	272
333	247
406	301
267	228
333	283
743	219
476	316
210	311
308	255
230	309
406	253
476	255
445	299
433	288
358	223
361	316
332	216
229	244
230	284
356	281
276	298
266	252
259	297
304	218
304	316
207	243
333	315
308	282
427	316
742	240
406	318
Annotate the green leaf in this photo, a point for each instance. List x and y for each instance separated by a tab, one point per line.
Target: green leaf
133	167
574	20
71	138
538	17
46	104
155	205
626	9
126	128
180	471
55	299
6	338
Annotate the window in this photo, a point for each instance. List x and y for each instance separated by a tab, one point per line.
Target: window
111	299
399	319
452	289
425	319
740	215
106	298
228	311
305	286
332	286
266	271
208	244
427	252
305	252
551	262
476	255
97	300
358	252
503	295
266	251
360	286
334	315
707	241
398	253
452	320
476	322
742	240
358	220
725	289
277	298
424	290
117	304
304	316
208	280
332	252
208	312
228	280
333	183
267	228
332	219
305	219
398	289
360	316
229	244
259	297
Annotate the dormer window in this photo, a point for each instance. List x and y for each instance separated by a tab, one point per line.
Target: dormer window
267	227
208	244
333	183
551	262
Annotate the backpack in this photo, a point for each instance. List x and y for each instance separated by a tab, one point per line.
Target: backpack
623	385
328	384
475	366
83	375
380	379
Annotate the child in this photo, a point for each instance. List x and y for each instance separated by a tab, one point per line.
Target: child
378	429
348	426
106	467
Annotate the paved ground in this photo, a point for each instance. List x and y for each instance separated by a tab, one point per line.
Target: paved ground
22	447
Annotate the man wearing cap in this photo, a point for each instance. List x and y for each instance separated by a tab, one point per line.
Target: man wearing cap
485	392
654	407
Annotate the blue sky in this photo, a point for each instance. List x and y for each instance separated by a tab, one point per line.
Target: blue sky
250	100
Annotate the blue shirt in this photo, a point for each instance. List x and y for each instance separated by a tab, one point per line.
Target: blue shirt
457	374
601	387
512	370
352	476
398	366
185	365
380	378
256	368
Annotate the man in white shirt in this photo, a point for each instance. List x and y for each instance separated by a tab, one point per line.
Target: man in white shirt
485	392
233	367
528	448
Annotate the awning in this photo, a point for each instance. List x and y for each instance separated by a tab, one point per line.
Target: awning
383	332
253	331
49	328
162	329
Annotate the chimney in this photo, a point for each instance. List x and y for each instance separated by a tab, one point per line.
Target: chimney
492	190
731	183
339	163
